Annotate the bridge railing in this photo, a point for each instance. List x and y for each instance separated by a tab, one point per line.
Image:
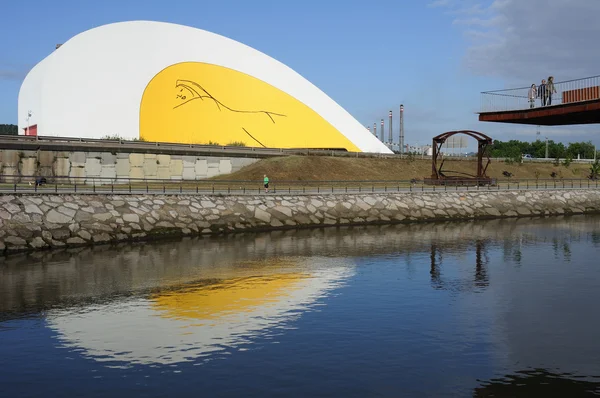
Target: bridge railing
106	185
569	91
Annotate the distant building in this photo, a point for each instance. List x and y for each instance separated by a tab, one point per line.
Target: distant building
426	150
172	83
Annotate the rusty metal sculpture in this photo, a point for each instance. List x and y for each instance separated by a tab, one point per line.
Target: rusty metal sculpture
438	176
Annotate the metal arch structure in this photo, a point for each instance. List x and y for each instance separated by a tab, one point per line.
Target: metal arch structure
438	177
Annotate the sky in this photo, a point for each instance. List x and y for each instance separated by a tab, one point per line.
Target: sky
433	56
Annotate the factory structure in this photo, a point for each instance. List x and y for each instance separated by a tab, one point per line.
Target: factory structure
399	146
164	82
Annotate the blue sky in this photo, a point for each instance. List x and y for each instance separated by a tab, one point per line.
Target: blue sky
368	56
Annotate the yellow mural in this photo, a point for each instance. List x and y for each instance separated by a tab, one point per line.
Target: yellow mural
227	297
199	103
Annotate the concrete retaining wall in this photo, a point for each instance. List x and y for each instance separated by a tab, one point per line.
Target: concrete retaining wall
41	221
109	165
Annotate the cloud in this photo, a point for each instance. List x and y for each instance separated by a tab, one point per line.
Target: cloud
520	42
479	22
523	41
439	3
475	9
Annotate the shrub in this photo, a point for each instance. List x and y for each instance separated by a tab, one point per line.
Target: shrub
116	137
514	158
113	137
595	170
236	143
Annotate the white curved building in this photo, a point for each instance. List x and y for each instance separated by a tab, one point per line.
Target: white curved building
171	83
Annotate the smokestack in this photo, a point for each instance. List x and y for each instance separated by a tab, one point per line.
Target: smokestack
382	132
401	128
375	129
390	137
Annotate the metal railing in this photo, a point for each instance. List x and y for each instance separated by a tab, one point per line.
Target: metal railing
569	91
99	185
48	143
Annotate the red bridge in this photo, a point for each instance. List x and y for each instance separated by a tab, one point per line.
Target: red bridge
575	102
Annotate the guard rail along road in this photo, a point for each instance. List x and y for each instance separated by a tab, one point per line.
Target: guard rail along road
71	185
22	142
47	143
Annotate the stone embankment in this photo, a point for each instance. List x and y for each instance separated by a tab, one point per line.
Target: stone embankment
43	221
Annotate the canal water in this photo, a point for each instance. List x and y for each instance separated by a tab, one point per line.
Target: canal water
504	308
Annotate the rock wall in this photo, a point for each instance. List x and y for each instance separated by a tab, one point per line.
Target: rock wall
41	221
103	166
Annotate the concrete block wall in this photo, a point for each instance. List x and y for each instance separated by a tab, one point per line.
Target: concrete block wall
109	166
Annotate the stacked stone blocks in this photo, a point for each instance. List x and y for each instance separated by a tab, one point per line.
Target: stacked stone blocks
108	167
43	221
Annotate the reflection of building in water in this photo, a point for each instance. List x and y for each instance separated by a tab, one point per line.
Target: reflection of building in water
69	276
480	278
196	320
537	383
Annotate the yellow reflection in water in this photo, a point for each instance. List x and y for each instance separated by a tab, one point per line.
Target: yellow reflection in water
227	297
196	318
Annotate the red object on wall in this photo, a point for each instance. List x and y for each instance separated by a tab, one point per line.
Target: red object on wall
31	131
581	94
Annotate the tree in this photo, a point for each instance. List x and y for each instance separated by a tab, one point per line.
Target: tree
556	150
583	149
9	129
514	148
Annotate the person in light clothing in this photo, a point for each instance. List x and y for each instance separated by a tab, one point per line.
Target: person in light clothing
532	96
266	183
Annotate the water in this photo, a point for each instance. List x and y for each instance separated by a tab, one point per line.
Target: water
503	308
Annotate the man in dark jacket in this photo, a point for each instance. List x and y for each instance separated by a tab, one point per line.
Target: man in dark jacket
39	181
543	92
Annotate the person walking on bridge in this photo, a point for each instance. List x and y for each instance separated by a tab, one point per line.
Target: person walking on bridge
550	88
543	92
532	96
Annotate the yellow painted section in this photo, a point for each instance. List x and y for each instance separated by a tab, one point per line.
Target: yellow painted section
227	297
199	103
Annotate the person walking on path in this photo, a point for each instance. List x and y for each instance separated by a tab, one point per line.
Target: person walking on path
266	183
543	92
532	96
550	89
